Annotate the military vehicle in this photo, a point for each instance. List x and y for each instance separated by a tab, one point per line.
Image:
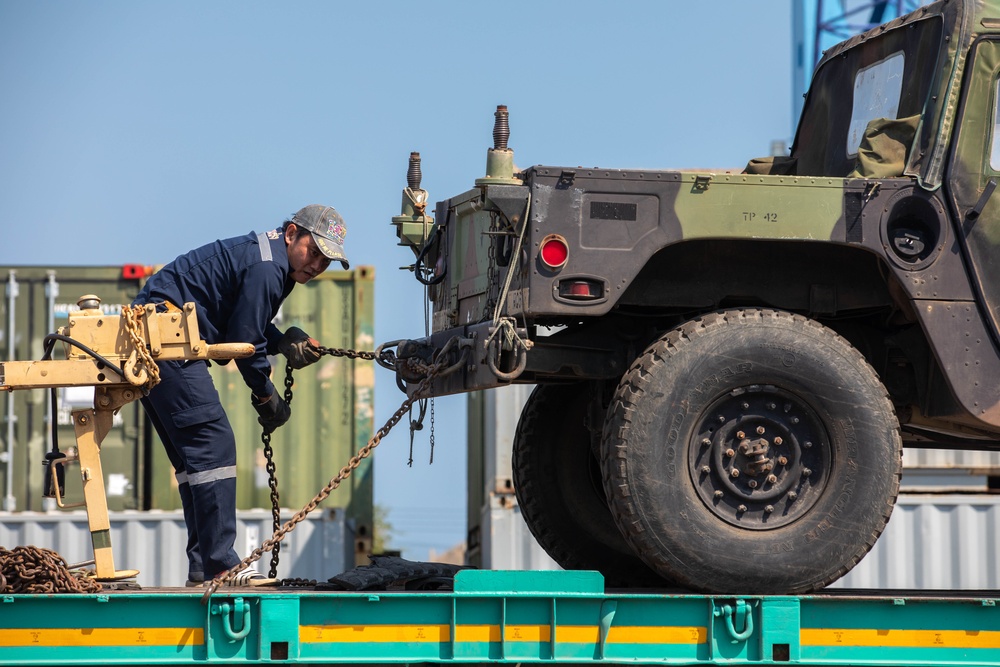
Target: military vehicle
729	363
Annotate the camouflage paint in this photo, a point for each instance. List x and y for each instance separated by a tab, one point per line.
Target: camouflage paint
758	207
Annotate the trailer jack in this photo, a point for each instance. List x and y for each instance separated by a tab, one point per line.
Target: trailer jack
117	356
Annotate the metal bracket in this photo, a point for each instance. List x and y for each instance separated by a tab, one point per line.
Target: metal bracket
702	182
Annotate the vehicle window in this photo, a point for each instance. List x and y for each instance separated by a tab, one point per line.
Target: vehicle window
877	90
995	150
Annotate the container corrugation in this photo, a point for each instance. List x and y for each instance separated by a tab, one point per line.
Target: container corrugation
952	458
507	544
153	542
949	470
949	542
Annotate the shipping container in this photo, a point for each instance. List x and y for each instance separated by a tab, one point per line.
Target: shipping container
332	408
38	300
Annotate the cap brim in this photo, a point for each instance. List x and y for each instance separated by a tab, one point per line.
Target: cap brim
331	250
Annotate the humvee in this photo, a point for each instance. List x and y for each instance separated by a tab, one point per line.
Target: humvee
728	363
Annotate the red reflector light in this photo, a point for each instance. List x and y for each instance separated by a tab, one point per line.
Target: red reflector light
553	251
581	289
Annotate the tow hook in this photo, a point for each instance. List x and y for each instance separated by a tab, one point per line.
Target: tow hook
507	350
737	615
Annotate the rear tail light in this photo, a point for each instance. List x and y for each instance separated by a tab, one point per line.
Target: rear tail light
581	289
553	251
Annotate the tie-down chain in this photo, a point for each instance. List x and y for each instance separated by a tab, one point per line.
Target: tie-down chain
385	358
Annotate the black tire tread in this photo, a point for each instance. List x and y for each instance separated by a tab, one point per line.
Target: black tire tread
620	567
635	382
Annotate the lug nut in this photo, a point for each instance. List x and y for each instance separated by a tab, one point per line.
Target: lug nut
745	405
795	420
778	440
717	494
782	461
706	469
806	472
730	453
769	508
740	435
734	472
721	419
741	508
752	484
771	479
792	495
771	406
760	430
807	444
705	442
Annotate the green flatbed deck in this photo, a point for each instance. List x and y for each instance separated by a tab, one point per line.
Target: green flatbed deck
498	616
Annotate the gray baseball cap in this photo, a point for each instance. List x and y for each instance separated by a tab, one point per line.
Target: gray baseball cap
328	230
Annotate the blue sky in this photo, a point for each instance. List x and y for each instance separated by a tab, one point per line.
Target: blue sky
133	131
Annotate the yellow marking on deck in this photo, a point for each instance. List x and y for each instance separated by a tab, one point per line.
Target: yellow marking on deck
55	637
897	637
663	634
374	633
485	633
477	634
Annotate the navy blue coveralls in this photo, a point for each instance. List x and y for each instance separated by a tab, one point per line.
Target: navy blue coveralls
237	285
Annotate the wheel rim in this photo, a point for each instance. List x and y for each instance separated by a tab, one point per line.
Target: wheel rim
759	457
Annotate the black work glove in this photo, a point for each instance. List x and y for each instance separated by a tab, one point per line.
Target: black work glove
273	412
299	348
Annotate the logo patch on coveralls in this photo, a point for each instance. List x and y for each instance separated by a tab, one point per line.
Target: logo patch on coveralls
274	234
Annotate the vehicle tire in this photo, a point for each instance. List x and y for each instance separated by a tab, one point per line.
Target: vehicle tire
558	486
795	411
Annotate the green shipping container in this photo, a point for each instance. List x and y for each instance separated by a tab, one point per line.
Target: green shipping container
332	408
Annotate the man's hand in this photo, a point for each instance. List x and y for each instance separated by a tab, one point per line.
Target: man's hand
299	348
273	412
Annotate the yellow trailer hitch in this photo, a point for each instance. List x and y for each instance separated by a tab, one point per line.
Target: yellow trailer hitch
116	355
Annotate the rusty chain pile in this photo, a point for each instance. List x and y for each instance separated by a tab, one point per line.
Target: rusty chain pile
38	570
429	372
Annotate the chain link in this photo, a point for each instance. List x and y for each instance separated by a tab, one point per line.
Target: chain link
272	478
430	372
37	570
144	371
350	354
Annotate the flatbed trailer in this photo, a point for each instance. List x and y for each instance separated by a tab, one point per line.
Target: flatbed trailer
503	617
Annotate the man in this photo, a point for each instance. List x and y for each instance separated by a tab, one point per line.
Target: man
237	285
